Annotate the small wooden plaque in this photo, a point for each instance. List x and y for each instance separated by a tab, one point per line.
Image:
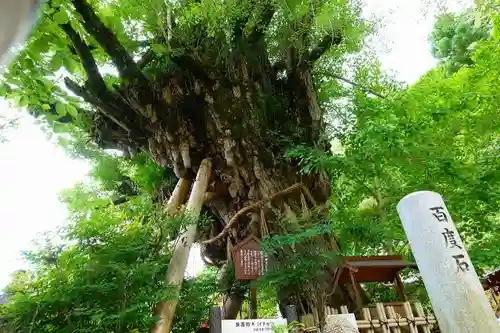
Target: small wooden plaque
249	261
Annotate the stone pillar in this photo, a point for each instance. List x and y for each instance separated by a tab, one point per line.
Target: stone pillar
215	320
291	313
457	296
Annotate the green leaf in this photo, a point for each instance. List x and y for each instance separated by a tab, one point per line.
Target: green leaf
40	44
61	17
45	107
3	89
70	64
159	48
72	111
61	109
23	101
60	128
56	62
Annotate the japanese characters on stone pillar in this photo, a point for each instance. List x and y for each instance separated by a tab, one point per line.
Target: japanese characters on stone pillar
457	296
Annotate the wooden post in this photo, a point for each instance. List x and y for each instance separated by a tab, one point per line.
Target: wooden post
400	288
494	296
253	302
291	313
215	320
178	195
456	294
409	315
379	307
178	262
357	294
177	198
368	317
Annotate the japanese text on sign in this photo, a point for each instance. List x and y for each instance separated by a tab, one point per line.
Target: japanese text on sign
450	239
252	325
439	214
251	261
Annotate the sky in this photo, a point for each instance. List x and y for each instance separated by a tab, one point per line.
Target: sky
34	170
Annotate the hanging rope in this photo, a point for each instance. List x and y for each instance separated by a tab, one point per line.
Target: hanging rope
264	230
259	205
303	204
229	250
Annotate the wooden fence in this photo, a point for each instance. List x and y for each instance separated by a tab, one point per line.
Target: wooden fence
395	317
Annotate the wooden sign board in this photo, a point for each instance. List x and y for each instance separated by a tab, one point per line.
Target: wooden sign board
249	261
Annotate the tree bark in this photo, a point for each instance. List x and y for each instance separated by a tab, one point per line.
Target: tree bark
232	305
178	263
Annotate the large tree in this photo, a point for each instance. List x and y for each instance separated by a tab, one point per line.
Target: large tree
439	134
238	82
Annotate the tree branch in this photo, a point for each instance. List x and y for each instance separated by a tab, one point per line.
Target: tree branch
149	55
9	123
89	64
87	97
186	62
324	45
260	27
108	41
365	89
146	59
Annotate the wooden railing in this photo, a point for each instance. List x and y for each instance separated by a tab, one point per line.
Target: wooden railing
395	317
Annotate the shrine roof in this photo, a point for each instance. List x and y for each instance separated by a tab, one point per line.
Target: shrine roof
374	268
249	241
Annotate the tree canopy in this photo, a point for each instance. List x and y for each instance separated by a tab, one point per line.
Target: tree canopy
454	38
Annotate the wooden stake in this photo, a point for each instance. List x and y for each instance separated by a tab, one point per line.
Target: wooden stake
315	316
421	314
177	198
381	317
178	195
409	314
392	315
253	302
368	317
178	262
